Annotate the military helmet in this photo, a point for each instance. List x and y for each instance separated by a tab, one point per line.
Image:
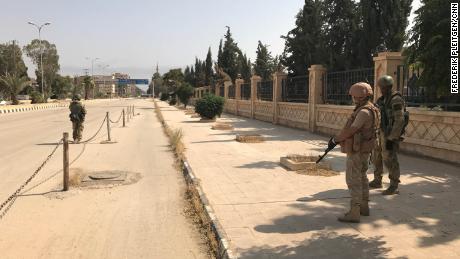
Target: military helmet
360	89
385	80
76	97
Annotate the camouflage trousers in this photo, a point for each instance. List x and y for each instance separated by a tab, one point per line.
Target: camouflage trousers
356	177
382	156
77	128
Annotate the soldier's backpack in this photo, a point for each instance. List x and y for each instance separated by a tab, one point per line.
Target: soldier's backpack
406	115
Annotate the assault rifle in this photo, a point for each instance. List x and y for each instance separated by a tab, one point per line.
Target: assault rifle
330	146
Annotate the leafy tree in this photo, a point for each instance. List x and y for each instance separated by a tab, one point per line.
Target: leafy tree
62	86
173	78
341	34
229	57
429	48
209	73
184	92
12	84
383	27
263	66
304	45
50	62
11	60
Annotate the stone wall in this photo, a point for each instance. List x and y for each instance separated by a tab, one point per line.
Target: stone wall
293	115
429	133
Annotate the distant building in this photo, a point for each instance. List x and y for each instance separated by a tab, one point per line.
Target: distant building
107	86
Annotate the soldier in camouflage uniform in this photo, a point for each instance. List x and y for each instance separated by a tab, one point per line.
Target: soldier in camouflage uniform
392	106
357	139
77	116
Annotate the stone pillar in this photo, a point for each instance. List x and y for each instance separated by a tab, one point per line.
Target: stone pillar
278	78
315	96
386	63
238	83
217	90
226	86
254	80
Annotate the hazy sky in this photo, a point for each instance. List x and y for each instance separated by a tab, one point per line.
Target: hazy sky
132	36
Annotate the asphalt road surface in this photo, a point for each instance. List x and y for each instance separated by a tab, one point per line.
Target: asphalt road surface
142	218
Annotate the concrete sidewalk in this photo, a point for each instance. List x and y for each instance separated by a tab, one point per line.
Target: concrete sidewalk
268	212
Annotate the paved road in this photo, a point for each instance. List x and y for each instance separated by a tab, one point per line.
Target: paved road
139	220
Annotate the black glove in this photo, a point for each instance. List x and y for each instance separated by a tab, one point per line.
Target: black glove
389	145
331	144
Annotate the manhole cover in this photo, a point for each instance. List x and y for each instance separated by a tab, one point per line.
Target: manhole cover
104	176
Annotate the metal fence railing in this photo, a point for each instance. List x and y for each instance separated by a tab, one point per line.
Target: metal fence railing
295	89
231	92
265	90
222	91
246	91
337	84
417	95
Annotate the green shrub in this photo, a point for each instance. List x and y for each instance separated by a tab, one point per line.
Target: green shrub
210	106
173	100
36	97
164	96
184	93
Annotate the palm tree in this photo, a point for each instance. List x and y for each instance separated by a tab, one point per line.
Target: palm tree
12	84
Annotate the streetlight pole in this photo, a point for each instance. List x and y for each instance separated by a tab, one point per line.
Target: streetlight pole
41	49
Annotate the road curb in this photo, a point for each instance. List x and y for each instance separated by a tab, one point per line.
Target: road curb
23	108
207	213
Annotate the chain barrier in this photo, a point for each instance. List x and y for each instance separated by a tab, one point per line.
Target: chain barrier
55	173
14	195
115	122
88	140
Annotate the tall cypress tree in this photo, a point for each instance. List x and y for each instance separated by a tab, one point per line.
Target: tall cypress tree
304	45
208	68
219	54
230	56
263	66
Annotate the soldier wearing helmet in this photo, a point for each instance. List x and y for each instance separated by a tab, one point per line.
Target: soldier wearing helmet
392	107
77	116
357	139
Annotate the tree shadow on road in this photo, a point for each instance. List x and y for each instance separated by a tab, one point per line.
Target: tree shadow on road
260	165
424	206
324	245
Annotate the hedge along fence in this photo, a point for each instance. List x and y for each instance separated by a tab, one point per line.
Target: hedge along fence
434	134
30	107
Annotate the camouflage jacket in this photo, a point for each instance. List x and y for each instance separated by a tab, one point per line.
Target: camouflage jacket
392	115
77	111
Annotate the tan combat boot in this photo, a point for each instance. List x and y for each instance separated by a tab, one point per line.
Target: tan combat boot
364	208
351	216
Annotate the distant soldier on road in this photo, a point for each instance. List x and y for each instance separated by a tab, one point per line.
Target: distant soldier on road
394	119
357	139
77	116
